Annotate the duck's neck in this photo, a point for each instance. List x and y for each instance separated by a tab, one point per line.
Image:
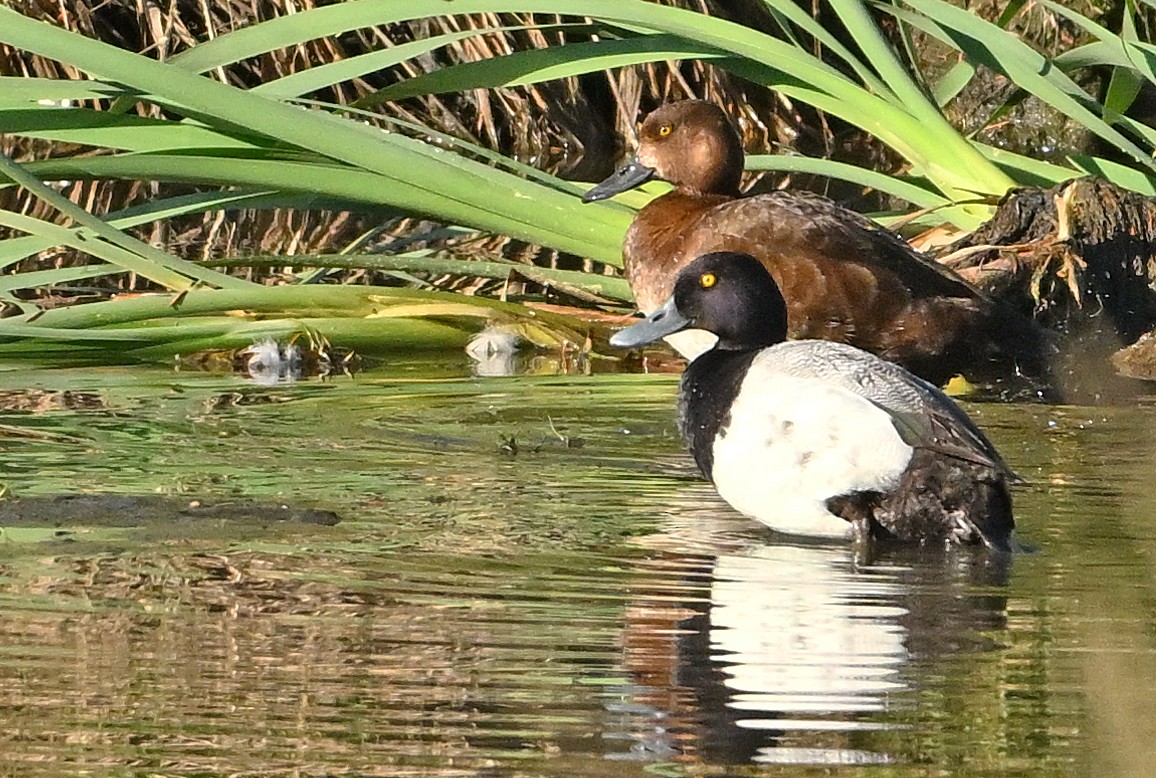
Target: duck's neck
653	251
708	389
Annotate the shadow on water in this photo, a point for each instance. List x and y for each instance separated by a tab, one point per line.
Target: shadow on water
528	578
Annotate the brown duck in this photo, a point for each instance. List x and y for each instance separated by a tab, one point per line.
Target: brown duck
844	278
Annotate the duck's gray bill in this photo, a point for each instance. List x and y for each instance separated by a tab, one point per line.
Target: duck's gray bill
667	320
626	177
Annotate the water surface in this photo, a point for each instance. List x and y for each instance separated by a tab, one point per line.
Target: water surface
528	578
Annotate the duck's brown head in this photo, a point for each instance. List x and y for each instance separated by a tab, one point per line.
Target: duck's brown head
691	144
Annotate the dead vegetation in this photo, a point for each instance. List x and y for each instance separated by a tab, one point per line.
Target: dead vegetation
1079	256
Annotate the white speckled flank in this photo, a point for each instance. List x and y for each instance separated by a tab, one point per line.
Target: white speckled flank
796	439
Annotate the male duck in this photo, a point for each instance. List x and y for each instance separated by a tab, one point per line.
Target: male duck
814	437
844	278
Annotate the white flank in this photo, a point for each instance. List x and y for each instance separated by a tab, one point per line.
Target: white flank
793	442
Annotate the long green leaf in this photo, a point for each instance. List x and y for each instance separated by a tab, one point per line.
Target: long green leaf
913	194
537	65
23	91
792	12
1121	175
921	139
986	43
426	262
354	187
445	185
14	250
298	301
1032	172
385	335
86	241
330	73
881	55
61	275
110	130
110	244
322	76
369	318
953	82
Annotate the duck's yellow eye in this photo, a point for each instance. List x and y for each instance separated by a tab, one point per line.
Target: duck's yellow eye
664	130
707	280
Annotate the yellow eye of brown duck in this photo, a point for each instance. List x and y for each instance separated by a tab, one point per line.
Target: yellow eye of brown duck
664	130
707	280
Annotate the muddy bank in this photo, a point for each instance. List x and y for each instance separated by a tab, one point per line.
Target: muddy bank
1080	258
66	511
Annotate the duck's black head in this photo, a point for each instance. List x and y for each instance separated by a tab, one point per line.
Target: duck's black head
729	294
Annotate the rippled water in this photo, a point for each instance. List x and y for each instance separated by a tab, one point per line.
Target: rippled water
528	578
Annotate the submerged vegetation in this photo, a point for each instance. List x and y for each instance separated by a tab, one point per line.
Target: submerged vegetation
357	107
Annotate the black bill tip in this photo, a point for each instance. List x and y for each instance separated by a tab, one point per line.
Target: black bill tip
627	177
667	320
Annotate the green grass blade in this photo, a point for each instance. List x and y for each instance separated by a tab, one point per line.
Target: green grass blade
369	318
355	188
99	239
985	43
110	130
369	336
289	300
492	158
444	185
328	74
1121	175
953	82
32	279
923	139
23	330
880	53
537	65
322	76
792	12
21	91
1031	172
84	240
426	261
882	182
14	250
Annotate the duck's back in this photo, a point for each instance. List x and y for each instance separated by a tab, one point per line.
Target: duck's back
778	228
844	278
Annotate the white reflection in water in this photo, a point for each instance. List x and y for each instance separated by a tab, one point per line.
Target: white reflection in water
494	352
792	652
783	653
798	631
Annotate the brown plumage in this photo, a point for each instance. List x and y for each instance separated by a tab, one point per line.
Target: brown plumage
844	278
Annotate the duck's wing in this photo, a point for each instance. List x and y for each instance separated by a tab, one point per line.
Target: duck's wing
803	223
943	433
924	416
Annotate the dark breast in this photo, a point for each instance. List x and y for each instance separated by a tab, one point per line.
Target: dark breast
707	391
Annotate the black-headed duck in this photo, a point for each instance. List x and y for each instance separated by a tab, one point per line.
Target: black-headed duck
814	437
844	278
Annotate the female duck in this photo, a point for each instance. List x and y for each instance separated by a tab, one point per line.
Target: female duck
813	437
844	279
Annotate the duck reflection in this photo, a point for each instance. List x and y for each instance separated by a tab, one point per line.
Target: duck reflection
799	653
